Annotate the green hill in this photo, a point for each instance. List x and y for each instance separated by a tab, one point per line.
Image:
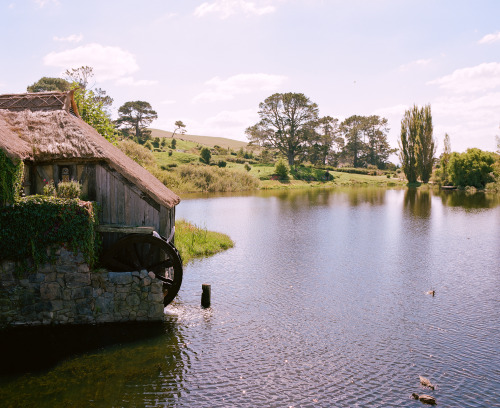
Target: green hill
204	140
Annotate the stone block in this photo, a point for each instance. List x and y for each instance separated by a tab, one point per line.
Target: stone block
143	274
146	281
36	277
46	268
156	287
122	289
50	291
133	300
83	268
103	305
75	280
120	278
156	312
50	276
84	292
156	297
7	267
57	305
83	307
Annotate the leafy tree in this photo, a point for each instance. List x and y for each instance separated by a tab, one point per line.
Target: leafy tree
47	84
173	143
442	172
205	155
137	116
377	146
286	123
179	127
281	170
80	76
472	168
93	111
417	147
352	129
327	135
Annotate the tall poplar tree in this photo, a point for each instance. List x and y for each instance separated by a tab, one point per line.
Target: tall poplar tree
425	147
409	129
417	146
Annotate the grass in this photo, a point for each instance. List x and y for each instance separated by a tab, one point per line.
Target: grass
195	242
204	140
182	172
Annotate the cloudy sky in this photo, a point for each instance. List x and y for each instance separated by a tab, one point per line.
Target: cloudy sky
210	63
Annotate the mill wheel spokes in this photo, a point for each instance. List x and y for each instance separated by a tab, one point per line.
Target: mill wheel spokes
147	252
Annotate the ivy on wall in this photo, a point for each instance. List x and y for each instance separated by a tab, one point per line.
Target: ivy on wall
33	224
11	176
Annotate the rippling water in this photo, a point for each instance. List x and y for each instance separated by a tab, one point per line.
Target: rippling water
322	303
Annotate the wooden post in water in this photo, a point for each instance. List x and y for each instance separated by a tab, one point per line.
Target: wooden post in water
205	295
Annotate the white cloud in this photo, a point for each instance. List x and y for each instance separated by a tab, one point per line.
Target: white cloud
398	110
168	102
417	63
481	77
227	8
71	38
130	81
490	38
43	3
230	124
226	89
109	63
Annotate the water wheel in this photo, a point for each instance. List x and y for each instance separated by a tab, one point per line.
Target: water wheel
138	252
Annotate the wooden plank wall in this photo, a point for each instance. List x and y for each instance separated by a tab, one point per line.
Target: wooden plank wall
122	202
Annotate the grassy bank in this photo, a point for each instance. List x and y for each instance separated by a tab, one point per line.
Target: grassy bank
195	242
178	166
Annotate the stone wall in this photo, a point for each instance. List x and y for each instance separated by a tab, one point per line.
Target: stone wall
67	292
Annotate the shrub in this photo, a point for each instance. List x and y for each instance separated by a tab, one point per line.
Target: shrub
212	179
281	170
310	174
49	189
173	143
205	155
148	145
247	167
52	221
170	152
69	189
473	168
11	176
221	163
137	152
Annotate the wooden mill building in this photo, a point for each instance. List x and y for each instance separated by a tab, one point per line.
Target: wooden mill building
46	132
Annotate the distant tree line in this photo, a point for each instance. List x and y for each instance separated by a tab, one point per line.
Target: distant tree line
290	123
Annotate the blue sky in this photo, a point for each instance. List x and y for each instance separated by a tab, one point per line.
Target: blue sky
210	63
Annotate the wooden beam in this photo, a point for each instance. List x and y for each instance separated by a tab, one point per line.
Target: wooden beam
125	229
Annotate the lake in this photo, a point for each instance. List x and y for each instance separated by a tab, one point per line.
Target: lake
321	303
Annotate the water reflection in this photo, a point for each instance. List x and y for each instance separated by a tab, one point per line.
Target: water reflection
418	202
320	303
469	201
121	363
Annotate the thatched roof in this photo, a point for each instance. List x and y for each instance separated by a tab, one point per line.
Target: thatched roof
49	134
